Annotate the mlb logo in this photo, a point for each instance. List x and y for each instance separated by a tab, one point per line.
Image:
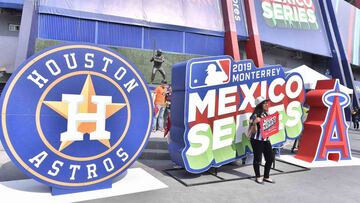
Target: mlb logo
209	73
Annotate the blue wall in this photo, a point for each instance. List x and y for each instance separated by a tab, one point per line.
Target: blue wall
63	28
163	39
195	43
68	29
119	35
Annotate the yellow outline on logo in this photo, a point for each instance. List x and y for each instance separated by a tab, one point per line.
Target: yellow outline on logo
21	72
40	103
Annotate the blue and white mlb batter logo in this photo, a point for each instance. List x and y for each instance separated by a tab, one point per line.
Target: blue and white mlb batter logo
209	73
75	116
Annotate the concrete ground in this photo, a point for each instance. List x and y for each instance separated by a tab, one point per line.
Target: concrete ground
332	184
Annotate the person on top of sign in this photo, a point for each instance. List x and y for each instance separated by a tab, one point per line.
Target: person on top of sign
158	60
260	144
214	77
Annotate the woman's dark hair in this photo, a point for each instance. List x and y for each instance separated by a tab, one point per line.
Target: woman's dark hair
259	109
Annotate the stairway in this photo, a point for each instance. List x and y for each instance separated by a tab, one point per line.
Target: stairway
156	149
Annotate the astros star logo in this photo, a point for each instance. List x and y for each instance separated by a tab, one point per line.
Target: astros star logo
75	116
85	113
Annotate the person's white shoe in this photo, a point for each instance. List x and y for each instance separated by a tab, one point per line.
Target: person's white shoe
269	180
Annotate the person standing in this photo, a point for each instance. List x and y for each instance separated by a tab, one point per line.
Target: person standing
304	117
158	60
167	113
160	104
259	144
355	118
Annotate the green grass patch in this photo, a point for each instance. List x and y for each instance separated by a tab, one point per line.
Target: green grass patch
141	58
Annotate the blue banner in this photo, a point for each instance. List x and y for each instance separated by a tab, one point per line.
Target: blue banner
240	19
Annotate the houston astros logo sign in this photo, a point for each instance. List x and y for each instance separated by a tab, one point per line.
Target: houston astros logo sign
75	116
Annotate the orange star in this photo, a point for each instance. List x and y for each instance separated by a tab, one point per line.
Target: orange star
86	107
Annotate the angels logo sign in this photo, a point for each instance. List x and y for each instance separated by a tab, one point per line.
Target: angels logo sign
75	116
325	134
212	114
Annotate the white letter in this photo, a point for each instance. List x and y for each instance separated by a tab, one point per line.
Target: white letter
74	65
131	85
240	128
222	133
123	155
107	61
249	95
37	79
55	71
195	103
224	100
38	159
263	87
89	59
56	168
198	135
74	169
121	70
294	116
289	92
72	133
276	98
109	166
267	8
91	171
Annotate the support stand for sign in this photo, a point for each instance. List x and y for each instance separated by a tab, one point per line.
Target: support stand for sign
215	173
61	191
103	185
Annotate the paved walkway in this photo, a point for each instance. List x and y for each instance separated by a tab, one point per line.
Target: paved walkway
333	184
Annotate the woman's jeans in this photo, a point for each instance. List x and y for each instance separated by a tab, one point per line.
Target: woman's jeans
159	118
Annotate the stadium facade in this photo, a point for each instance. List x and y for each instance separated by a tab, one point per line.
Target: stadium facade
324	35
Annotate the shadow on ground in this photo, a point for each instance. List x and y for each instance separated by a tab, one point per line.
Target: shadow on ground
8	172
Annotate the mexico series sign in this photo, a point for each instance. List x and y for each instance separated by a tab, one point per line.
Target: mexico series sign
300	14
213	99
75	116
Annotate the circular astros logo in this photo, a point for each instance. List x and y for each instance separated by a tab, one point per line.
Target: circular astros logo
75	116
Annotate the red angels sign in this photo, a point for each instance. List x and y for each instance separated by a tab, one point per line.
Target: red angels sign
325	135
